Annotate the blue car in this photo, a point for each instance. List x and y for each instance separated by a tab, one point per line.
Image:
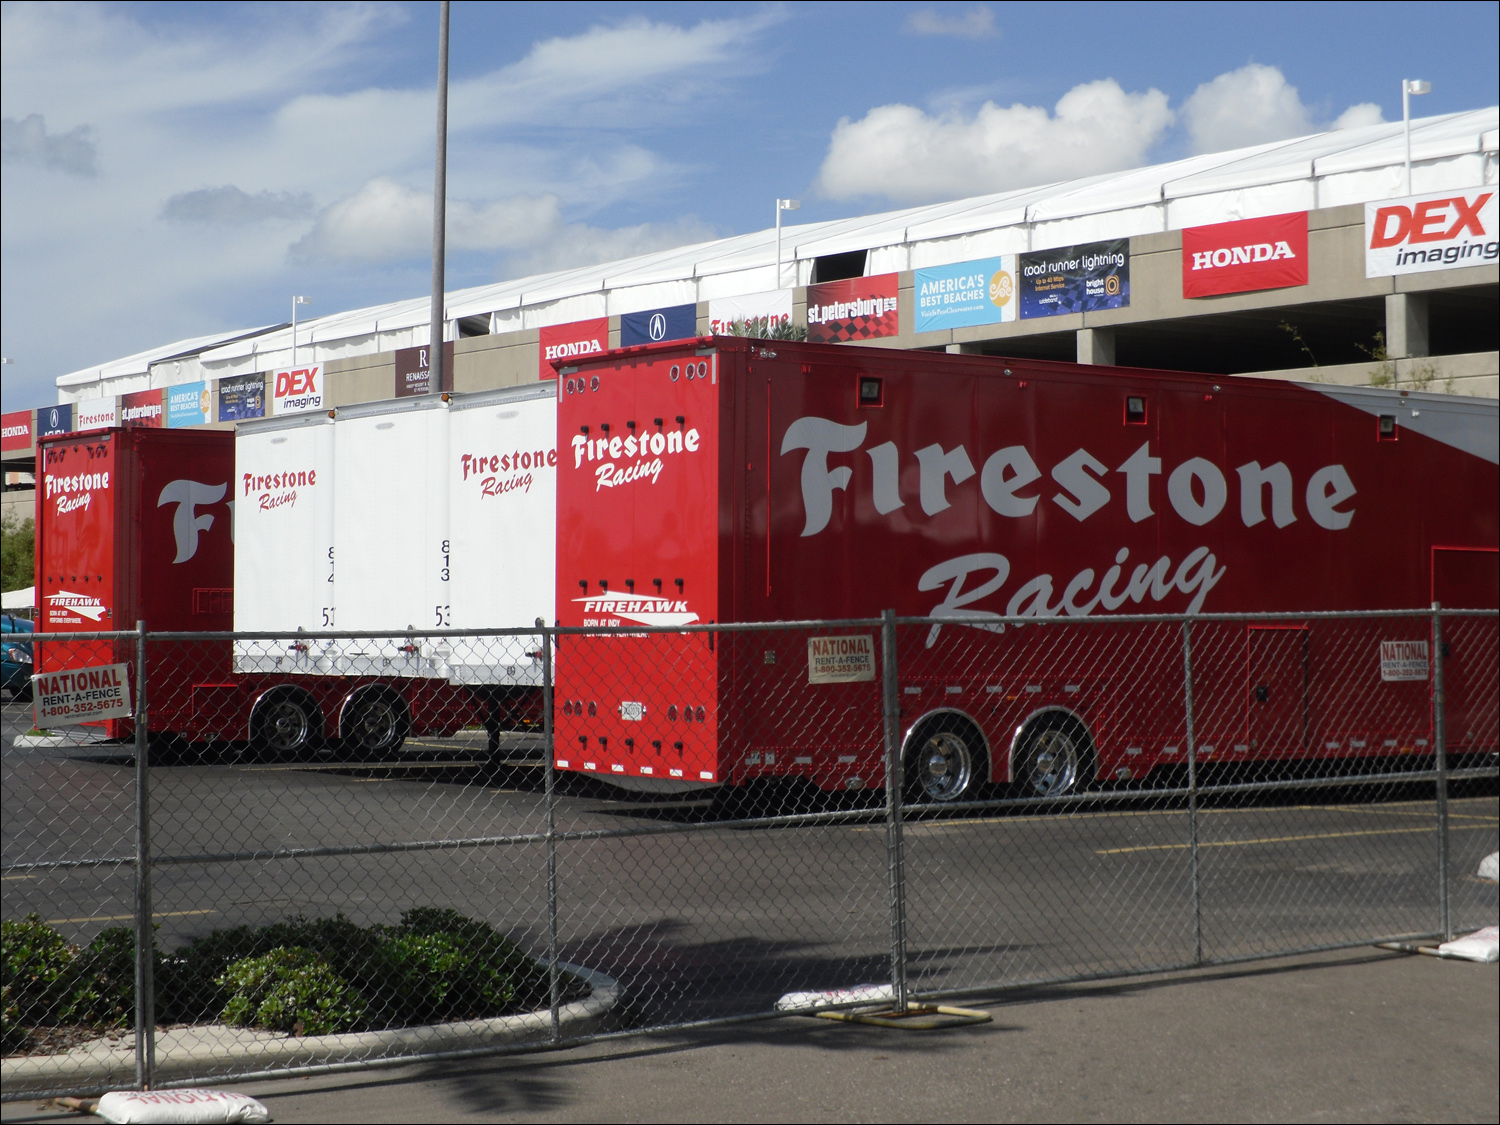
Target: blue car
15	655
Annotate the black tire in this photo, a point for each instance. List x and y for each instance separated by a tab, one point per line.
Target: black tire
286	726
945	762
1056	757
377	725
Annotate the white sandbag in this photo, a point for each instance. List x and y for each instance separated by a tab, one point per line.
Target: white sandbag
171	1107
1489	867
859	994
1482	945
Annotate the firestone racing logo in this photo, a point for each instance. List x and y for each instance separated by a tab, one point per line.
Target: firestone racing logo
643	609
652	446
65	602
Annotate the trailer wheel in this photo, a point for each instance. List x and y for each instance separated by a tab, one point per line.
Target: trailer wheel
943	761
377	725
1054	758
286	726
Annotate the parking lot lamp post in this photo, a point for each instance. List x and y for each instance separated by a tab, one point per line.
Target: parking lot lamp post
295	302
783	205
1410	86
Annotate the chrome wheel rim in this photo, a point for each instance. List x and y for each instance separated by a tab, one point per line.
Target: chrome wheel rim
375	726
1052	764
944	766
287	726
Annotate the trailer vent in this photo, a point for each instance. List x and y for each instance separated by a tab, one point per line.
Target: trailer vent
1135	410
871	391
210	601
1386	430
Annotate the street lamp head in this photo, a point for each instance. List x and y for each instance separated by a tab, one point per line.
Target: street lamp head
788	204
1417	86
301	300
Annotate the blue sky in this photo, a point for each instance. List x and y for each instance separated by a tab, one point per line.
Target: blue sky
177	169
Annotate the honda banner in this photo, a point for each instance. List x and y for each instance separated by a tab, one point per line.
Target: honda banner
561	342
966	294
1441	231
16	431
242	397
142	408
188	404
298	390
676	322
1072	279
95	414
859	308
761	310
1243	256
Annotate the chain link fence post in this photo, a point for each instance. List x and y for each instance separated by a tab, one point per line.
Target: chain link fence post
1440	744
894	782
1192	764
553	983
145	983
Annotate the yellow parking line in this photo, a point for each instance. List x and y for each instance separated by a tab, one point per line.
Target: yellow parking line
1279	839
126	917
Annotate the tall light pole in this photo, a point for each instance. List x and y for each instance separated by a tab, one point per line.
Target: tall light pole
1410	86
439	212
295	302
782	205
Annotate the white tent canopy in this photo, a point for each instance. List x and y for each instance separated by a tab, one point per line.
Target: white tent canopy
19	599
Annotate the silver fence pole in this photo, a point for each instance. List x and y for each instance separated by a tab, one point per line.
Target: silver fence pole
1440	741
894	844
145	939
553	980
1192	763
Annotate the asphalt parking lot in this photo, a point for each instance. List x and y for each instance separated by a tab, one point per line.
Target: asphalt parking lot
700	920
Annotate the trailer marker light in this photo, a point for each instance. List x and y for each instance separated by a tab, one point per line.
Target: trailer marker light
1169	749
645	769
567	706
562	763
1135	410
706	775
616	767
952	690
590	765
674	773
593	708
1386	430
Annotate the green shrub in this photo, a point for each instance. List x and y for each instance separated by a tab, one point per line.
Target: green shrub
103	987
292	990
37	970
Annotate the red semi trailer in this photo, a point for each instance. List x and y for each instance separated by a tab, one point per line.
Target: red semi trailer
725	480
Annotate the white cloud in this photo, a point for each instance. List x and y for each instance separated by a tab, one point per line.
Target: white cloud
27	142
1255	105
230	206
902	153
977	23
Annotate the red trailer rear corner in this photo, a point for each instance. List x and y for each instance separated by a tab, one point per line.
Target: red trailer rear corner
729	481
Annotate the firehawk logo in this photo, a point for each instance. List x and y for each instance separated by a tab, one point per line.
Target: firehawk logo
643	609
85	605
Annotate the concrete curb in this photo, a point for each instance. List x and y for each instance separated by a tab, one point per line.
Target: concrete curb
214	1050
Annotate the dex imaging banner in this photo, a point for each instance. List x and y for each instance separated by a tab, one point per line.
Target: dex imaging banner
676	322
966	294
188	405
298	390
1243	256
1441	231
562	342
1072	279
860	308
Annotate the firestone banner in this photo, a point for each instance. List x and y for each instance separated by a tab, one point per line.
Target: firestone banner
1243	256
562	342
1443	231
1072	279
95	414
760	309
15	431
966	294
188	404
298	390
241	397
676	322
859	308
142	408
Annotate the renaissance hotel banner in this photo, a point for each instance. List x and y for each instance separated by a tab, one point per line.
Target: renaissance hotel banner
1072	279
1443	231
966	294
859	308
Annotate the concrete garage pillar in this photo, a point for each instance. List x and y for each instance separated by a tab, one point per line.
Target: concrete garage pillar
1406	325
964	349
1097	345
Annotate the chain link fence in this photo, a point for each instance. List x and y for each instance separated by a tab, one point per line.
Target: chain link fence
336	850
